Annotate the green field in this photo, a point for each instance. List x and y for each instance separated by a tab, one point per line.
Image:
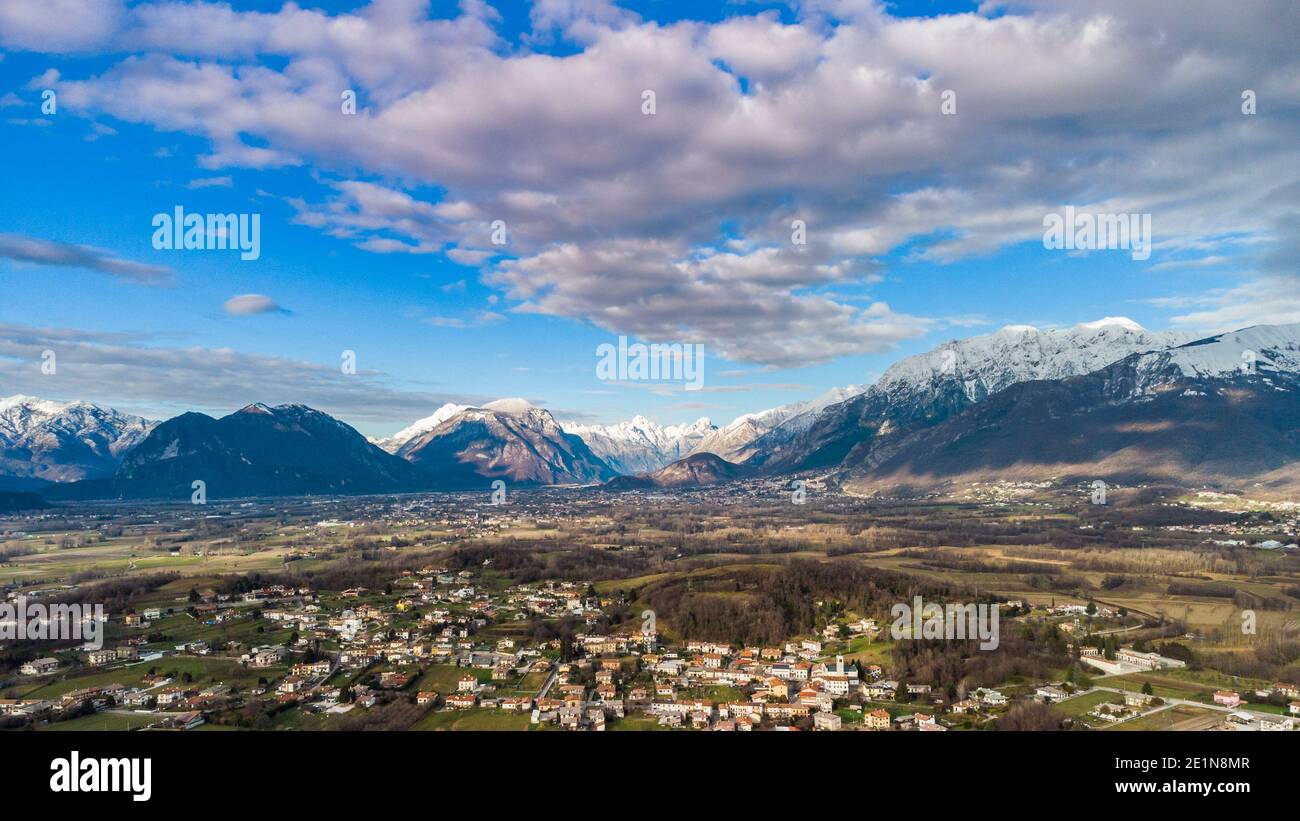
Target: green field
638	722
1162	686
443	678
714	694
101	721
1080	705
1164	719
474	720
202	670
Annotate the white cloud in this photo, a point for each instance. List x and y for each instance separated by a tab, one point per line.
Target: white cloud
48	252
210	182
252	304
677	225
59	26
134	372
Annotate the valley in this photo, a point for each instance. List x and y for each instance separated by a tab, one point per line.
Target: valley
722	607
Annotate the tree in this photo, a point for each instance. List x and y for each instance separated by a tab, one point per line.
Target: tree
1146	689
902	694
1029	715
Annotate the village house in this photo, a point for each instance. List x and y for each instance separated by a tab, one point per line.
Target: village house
39	667
393	680
1146	661
991	698
188	720
880	691
264	657
1049	694
96	658
827	721
171	695
311	669
788	712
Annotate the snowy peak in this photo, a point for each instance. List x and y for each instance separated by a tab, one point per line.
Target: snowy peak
522	409
1119	323
983	365
419	427
33	405
1258	349
640	445
64	441
509	439
749	433
511	405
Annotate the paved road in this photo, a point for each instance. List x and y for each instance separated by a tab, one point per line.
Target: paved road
546	685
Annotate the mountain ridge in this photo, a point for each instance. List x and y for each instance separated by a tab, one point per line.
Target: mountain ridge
914	422
53	441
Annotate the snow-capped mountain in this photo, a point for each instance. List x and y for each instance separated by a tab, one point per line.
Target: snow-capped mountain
1262	349
1199	414
928	388
64	441
753	434
640	445
421	426
507	439
983	365
1101	399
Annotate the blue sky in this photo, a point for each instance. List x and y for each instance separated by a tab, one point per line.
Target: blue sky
670	228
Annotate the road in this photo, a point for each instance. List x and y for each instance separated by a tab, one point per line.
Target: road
546	685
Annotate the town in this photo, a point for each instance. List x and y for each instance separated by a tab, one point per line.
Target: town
449	613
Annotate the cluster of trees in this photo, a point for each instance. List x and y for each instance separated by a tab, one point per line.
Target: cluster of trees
765	605
532	561
371	571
